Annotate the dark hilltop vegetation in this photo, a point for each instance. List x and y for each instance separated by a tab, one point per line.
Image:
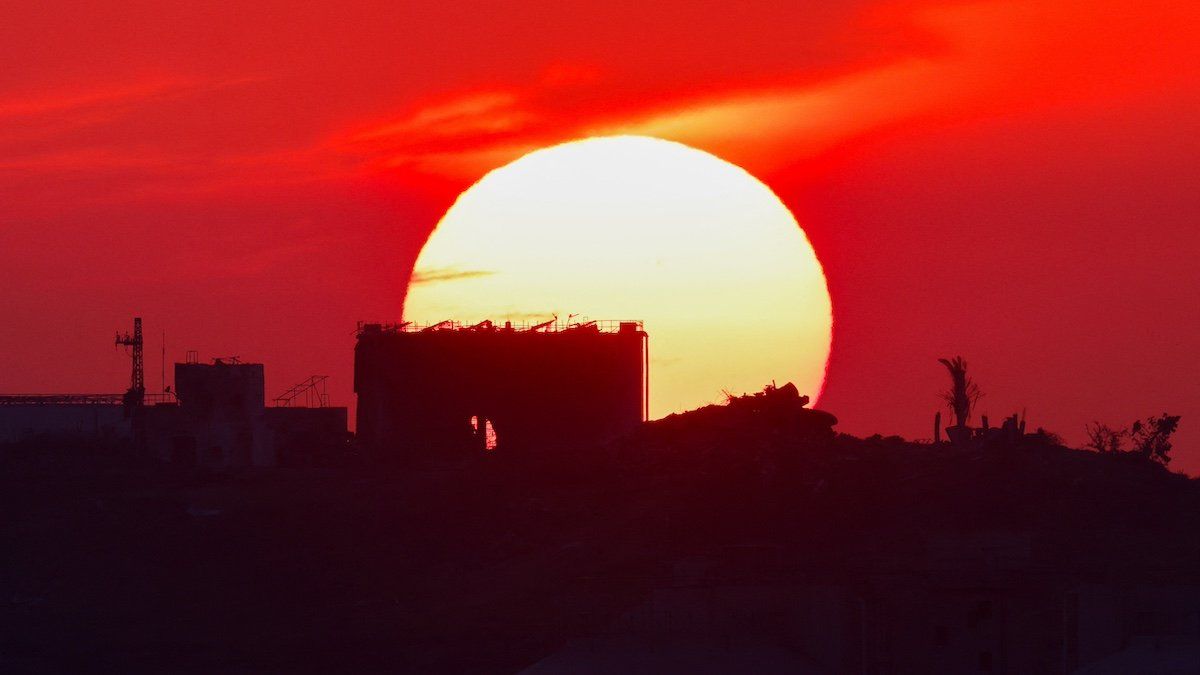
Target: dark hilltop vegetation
741	537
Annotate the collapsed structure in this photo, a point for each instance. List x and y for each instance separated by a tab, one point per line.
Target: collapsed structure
449	388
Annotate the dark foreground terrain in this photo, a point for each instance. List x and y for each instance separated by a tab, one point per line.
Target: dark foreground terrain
735	538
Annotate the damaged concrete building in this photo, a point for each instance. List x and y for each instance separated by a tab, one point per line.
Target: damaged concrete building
449	388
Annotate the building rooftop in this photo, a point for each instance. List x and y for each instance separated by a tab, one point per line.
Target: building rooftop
551	326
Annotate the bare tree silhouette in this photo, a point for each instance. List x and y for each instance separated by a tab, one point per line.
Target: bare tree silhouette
1104	439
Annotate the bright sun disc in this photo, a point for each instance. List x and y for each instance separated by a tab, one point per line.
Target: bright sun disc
630	227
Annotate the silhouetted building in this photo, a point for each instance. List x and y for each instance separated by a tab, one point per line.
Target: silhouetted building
453	388
300	436
78	417
64	417
216	417
221	420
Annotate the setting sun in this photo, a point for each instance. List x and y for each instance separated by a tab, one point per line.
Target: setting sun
632	227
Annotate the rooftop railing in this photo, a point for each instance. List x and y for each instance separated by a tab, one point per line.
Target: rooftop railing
551	326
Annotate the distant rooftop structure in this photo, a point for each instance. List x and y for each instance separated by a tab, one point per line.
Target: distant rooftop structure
61	399
222	419
311	393
551	326
215	417
81	415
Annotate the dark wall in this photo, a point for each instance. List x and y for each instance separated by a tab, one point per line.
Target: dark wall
221	408
232	387
299	436
417	391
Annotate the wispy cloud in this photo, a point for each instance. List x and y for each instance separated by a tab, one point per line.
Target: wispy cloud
474	113
981	57
441	274
104	102
89	137
116	93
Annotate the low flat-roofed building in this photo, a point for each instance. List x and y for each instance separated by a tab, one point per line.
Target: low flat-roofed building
66	417
221	421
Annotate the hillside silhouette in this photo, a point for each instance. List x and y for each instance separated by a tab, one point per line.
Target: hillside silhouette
546	558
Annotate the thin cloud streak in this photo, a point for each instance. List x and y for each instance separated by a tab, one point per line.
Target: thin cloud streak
446	274
990	57
31	106
483	112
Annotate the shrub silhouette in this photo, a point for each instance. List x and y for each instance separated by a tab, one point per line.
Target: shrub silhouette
1150	439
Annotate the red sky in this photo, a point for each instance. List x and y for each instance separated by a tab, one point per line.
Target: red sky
1013	181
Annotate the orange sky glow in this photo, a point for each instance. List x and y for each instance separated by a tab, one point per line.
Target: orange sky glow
1013	180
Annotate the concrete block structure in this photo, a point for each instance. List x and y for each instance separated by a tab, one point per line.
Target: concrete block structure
450	388
221	420
298	436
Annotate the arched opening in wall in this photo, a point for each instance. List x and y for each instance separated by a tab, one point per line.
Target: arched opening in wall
485	434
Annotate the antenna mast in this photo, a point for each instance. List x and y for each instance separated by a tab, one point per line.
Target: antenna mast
137	378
